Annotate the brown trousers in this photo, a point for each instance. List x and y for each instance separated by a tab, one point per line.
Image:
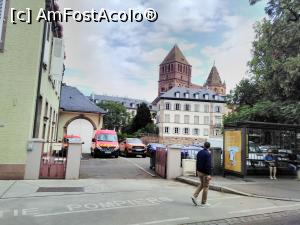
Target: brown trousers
204	184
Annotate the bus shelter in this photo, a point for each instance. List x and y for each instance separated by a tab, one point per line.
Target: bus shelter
247	143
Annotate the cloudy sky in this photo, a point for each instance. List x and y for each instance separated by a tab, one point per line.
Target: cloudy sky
122	59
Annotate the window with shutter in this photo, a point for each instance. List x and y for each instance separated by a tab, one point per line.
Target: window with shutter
3	18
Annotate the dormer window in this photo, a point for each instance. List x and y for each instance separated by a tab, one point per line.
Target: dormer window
177	94
186	95
206	96
196	96
216	97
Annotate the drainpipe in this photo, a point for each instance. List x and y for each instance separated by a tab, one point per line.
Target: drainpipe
59	98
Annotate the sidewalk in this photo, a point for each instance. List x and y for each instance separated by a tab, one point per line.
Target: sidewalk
10	189
282	189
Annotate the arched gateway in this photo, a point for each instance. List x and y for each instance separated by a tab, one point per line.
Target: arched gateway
78	116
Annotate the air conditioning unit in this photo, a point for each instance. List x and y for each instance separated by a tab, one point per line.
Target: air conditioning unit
57	59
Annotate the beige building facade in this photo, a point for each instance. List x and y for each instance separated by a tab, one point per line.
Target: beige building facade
188	115
31	71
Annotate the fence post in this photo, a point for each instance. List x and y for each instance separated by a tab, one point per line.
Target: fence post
73	160
33	161
174	161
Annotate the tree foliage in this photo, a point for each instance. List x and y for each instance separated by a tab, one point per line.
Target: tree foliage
116	116
142	118
272	93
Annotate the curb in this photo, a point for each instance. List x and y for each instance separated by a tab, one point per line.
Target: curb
232	191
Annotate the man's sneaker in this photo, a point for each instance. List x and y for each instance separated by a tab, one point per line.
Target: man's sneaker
274	178
271	178
205	205
194	200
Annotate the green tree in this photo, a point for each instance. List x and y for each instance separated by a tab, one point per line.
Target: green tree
142	118
245	93
274	69
276	52
116	116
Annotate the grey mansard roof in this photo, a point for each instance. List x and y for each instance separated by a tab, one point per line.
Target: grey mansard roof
129	103
192	94
73	100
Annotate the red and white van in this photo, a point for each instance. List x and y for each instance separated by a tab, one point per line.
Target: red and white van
105	143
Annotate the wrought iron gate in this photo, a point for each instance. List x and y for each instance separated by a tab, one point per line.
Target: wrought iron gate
53	161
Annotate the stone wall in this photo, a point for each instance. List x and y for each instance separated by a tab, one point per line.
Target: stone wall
150	139
180	140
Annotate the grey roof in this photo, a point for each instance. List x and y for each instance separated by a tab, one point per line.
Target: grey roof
175	55
192	94
73	100
129	103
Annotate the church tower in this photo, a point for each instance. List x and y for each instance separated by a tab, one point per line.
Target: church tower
174	71
214	82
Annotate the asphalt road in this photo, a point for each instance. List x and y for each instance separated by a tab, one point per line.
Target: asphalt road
124	193
116	168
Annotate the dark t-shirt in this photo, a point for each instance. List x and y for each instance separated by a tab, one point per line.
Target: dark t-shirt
204	162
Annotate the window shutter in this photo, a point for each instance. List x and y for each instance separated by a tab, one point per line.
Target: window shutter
57	61
2	12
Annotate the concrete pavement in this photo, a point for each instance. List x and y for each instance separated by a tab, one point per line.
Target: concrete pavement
130	197
286	189
122	202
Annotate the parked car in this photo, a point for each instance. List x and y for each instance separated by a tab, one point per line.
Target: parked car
153	146
105	143
190	152
132	146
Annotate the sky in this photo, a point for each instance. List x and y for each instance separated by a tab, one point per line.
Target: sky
122	59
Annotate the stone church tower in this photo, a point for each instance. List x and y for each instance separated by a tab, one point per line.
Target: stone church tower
174	71
214	82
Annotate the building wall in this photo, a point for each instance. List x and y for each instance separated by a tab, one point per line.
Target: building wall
19	69
171	76
220	89
206	126
65	117
50	95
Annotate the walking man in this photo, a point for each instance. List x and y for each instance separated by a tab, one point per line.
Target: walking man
204	173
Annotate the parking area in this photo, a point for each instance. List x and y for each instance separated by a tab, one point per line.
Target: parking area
115	168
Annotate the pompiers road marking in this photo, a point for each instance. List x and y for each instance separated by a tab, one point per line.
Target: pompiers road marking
18	212
92	210
265	208
151	174
85	207
103	206
162	221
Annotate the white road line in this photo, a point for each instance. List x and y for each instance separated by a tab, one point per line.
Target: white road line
265	208
92	210
151	174
162	221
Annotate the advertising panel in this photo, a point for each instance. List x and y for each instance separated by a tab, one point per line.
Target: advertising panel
233	150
